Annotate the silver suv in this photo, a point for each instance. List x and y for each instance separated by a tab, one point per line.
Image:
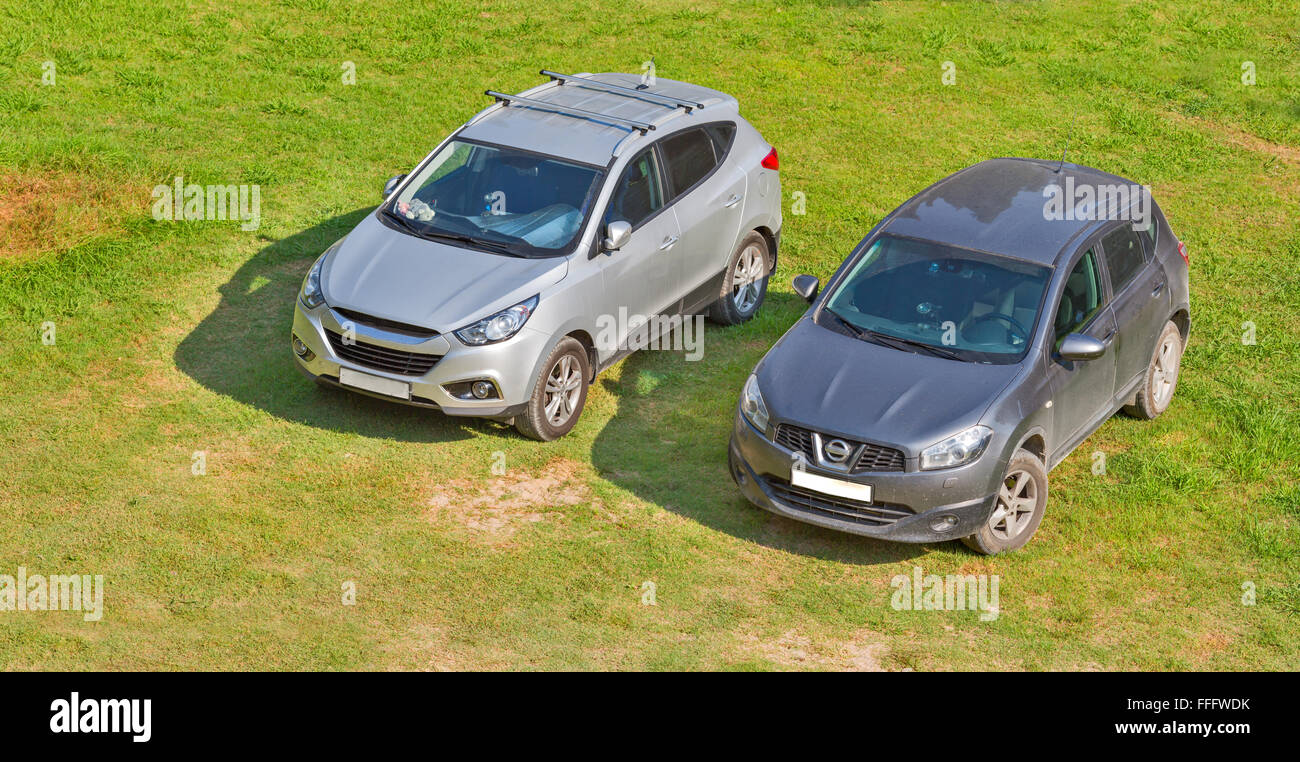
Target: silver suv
536	244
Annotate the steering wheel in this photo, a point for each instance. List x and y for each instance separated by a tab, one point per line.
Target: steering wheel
1017	330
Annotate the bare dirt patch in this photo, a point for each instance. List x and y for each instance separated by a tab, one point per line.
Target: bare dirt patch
862	652
494	509
40	213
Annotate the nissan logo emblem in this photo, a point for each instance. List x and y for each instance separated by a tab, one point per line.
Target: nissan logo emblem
837	450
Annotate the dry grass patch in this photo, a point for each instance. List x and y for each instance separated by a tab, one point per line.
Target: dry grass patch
41	213
494	509
863	652
1237	137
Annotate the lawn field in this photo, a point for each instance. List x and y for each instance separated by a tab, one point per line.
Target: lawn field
135	352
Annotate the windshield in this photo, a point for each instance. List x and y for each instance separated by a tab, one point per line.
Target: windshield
932	298
496	198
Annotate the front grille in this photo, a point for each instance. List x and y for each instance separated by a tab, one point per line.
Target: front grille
842	508
797	439
386	324
878	458
874	458
383	358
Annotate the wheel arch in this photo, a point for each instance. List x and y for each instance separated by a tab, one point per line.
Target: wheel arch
773	240
589	344
1183	319
1035	441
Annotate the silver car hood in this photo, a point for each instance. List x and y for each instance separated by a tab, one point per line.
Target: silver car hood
382	272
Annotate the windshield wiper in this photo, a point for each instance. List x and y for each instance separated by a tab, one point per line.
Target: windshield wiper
932	349
894	342
472	241
432	235
861	333
866	334
405	223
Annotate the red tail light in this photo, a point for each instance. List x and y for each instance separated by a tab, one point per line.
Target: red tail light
770	161
1182	251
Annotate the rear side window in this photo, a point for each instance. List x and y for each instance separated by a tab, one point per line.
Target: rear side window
639	193
722	133
690	157
1151	233
1081	298
1124	256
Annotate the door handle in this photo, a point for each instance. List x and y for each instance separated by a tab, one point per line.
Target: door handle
668	243
735	199
1108	338
1159	287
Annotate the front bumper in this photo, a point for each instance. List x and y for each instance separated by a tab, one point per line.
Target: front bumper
508	365
904	504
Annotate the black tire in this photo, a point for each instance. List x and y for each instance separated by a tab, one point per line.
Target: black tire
731	307
1153	396
1006	531
536	422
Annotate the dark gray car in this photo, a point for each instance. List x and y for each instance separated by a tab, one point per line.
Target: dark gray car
970	342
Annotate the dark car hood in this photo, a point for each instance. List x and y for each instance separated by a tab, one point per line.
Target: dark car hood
825	380
389	274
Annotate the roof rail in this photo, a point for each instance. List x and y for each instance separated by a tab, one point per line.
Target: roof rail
629	92
642	127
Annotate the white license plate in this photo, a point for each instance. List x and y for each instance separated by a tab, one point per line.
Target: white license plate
377	384
828	486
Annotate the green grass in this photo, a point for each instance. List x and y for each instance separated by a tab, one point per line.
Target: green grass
172	338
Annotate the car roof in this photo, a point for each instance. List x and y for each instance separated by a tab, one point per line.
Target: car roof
998	206
591	140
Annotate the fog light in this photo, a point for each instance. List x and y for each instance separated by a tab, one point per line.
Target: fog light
482	389
302	351
943	523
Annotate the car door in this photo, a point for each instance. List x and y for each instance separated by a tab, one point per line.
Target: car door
639	279
1140	302
708	194
1081	390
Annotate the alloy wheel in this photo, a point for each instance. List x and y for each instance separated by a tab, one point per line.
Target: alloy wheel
1015	507
563	388
745	278
1166	373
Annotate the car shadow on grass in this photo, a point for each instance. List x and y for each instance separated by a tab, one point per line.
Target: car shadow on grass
667	444
241	351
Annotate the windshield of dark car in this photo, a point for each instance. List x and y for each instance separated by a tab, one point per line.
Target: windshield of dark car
501	198
968	304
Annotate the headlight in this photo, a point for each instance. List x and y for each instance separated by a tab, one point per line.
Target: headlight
311	294
752	405
957	450
498	327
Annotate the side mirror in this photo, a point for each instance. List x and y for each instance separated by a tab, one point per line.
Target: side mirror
617	234
392	184
806	286
1077	346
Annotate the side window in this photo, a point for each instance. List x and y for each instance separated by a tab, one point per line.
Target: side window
639	193
1082	296
722	133
689	156
1150	235
1124	256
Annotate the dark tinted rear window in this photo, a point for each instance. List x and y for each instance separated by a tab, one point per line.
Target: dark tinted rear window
1151	233
1124	255
689	157
722	133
